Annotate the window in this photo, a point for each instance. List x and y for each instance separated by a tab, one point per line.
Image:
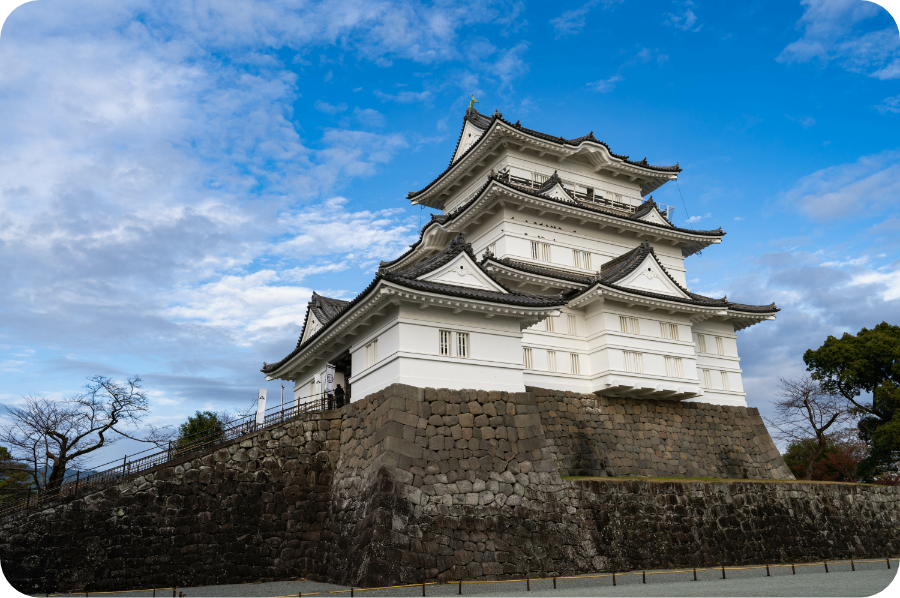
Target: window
705	381
312	387
702	342
372	353
576	365
725	385
570	320
545	250
445	342
669	331
634	362
492	248
582	259
674	367
462	344
535	250
551	361
528	358
629	325
720	348
548	324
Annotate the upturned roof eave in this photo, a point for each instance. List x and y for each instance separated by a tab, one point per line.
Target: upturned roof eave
428	194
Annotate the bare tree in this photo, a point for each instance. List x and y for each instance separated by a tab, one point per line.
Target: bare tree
56	435
806	412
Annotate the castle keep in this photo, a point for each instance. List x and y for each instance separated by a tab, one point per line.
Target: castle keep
550	267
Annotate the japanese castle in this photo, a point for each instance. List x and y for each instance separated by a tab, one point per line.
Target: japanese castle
547	268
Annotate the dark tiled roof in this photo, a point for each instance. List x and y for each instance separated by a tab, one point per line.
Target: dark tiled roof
326	308
408	278
552	182
647	207
504	180
484	122
541	270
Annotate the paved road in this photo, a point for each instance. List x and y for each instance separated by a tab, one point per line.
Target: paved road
812	580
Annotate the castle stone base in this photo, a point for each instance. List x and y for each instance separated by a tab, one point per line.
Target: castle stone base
415	484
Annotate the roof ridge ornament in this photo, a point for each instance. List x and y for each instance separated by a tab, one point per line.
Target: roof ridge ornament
497	114
472	103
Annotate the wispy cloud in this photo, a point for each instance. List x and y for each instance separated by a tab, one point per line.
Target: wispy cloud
684	17
891	104
831	33
863	188
572	22
329	108
605	85
404	97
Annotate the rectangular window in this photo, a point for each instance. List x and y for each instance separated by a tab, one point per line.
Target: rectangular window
634	362
551	361
669	331
462	344
535	250
548	324
725	385
707	380
492	248
576	258
445	342
545	250
701	340
629	325
528	358
674	367
371	351
576	365
720	348
586	260
572	329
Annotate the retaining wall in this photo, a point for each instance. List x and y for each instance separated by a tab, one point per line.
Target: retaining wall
421	484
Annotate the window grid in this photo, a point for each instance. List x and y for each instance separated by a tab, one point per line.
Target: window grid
551	361
535	250
720	347
546	252
725	385
707	379
674	367
462	344
669	331
445	342
548	324
528	358
634	362
576	365
629	325
701	340
572	324
581	259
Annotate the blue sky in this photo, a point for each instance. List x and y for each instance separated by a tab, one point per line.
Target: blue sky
177	177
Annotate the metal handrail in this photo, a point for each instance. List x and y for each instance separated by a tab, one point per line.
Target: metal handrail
246	425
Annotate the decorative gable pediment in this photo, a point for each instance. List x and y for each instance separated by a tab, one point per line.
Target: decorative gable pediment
655	217
470	135
311	326
557	191
651	277
462	272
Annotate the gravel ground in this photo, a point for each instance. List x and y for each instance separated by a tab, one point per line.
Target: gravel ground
809	580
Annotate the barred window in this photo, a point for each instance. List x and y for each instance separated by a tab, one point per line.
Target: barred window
576	365
634	362
581	259
674	367
548	324
371	352
629	325
551	361
570	321
545	250
462	344
528	358
720	347
707	381
669	331
445	342
725	385
701	340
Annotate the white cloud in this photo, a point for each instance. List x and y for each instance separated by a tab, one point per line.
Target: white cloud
605	85
404	97
891	104
330	109
694	219
833	31
865	187
572	22
685	18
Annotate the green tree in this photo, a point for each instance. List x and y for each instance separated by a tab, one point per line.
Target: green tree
867	362
201	429
14	477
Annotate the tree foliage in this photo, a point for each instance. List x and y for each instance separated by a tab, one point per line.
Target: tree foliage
202	428
14	476
54	436
866	363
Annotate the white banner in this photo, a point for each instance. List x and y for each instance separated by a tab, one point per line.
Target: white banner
329	379
261	406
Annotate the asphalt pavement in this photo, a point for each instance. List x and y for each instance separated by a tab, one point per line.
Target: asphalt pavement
868	579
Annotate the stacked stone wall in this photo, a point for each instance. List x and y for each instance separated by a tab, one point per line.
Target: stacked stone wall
411	484
599	436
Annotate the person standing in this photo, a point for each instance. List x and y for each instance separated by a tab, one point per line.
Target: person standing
338	397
